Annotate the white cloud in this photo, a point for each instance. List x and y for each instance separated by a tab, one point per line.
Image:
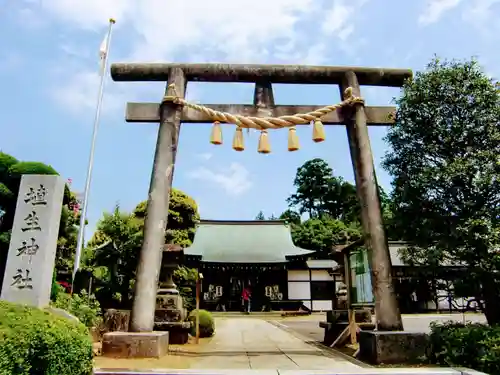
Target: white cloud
337	18
243	31
206	156
223	30
79	94
88	14
235	180
482	15
435	9
233	29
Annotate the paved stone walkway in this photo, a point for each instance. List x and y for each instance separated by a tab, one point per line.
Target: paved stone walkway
246	343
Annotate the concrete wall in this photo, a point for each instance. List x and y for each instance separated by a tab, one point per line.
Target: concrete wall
300	288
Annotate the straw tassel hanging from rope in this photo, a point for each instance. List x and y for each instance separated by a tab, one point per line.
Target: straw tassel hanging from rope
293	139
216	136
264	146
238	141
318	131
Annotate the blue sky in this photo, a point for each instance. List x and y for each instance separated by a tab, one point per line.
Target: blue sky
49	81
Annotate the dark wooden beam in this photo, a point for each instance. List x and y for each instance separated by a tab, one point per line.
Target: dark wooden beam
150	112
254	73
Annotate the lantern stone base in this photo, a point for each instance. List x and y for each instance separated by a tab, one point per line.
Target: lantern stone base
169	307
135	344
170	315
392	347
178	332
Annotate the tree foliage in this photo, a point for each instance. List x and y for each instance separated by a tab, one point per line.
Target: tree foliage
11	171
185	279
116	245
322	234
444	157
318	192
290	216
182	217
260	216
331	203
83	306
114	248
68	233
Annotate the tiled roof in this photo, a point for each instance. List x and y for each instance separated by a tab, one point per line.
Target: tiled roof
266	241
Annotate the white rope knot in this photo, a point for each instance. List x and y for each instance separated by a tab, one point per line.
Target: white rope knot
263	123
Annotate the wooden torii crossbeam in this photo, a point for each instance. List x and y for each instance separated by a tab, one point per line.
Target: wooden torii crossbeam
139	72
150	112
169	114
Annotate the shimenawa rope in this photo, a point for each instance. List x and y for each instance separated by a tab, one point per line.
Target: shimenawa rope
264	123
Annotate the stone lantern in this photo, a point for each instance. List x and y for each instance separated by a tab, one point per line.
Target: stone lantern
170	313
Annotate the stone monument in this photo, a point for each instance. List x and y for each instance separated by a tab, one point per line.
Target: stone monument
33	242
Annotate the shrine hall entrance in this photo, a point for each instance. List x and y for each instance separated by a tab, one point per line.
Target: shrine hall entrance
236	285
223	286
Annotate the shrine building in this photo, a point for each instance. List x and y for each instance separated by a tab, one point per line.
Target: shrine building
261	255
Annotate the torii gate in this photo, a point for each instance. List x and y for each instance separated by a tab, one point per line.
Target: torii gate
264	114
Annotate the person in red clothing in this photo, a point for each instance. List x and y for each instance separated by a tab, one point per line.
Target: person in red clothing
246	295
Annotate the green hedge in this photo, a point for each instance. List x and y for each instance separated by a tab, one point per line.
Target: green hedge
36	342
207	324
86	308
476	346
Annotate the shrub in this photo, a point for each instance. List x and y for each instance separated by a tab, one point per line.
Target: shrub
35	341
476	346
5	194
207	324
55	289
86	308
6	161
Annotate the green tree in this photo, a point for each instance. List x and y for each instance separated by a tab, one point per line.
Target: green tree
444	157
68	233
6	161
312	183
392	226
323	234
182	218
116	245
260	216
342	201
11	175
319	192
290	216
11	171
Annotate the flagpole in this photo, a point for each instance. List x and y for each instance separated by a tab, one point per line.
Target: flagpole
83	217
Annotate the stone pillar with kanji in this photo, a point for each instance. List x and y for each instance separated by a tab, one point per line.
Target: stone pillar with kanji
33	242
